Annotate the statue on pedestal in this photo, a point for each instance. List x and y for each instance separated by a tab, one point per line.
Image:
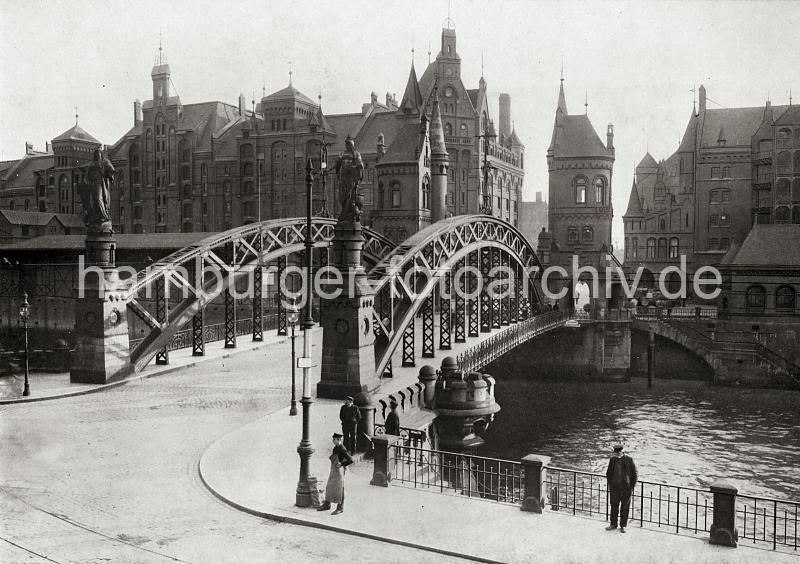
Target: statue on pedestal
95	194
350	171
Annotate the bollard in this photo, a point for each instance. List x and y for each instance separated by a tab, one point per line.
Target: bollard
723	529
383	460
366	425
535	473
427	377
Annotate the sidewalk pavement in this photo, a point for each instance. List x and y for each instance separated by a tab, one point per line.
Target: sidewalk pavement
48	385
255	469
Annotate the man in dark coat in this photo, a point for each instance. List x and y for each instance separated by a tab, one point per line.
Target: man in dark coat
349	415
621	476
392	425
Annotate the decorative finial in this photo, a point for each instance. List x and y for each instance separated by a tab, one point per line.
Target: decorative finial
481	62
76	115
412	49
562	68
290	73
429	51
263	82
160	48
586	102
790	96
319	97
694	101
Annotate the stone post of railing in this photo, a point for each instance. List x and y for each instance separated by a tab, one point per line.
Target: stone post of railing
535	473
367	423
723	529
383	459
427	377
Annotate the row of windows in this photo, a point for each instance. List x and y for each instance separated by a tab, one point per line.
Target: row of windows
582	195
719	220
785	298
656	248
782	189
784	215
783	160
719	196
725	172
719	244
585	234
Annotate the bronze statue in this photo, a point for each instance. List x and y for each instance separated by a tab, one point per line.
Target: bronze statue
350	171
96	193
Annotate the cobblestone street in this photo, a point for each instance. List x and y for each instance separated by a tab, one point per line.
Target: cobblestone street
112	476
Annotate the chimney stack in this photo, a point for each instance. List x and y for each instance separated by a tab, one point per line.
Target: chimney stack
137	113
505	115
242	104
610	137
702	98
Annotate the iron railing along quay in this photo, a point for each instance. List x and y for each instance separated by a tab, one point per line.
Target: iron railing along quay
411	437
767	520
480	477
497	345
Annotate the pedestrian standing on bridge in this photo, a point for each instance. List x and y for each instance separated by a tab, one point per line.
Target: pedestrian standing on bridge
392	425
334	490
349	415
621	476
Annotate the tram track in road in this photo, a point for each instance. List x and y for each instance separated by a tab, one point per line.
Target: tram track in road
29	551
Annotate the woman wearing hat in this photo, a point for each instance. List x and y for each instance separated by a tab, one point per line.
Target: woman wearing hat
334	490
392	424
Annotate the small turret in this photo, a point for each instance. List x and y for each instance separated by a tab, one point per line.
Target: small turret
440	162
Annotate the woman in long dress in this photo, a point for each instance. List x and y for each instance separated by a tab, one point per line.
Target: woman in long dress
334	490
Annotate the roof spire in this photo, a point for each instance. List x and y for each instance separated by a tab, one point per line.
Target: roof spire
481	61
429	51
586	102
76	115
562	101
319	97
562	68
290	73
694	99
790	96
160	48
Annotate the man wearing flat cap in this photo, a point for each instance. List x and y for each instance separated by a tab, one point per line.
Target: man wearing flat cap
334	490
349	415
621	476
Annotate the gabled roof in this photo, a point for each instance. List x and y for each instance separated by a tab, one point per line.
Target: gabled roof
412	97
770	245
405	147
574	136
76	133
22	173
790	117
634	203
736	125
26	217
288	93
647	161
69	219
377	123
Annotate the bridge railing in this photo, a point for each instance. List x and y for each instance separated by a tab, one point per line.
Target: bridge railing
214	332
497	345
698	313
459	474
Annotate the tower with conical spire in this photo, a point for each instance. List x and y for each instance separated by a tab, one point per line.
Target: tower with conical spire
439	164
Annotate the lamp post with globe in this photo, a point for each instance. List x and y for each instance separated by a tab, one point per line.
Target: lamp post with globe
292	317
24	313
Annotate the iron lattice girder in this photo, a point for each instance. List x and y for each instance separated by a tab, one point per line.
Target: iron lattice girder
247	246
459	315
436	250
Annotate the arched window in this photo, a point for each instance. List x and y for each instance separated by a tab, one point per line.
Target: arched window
42	206
784	298
599	190
148	141
673	248
580	190
247	169
651	248
662	224
784	161
187	210
426	193
448	129
572	234
784	138
724	244
627	247
782	188
635	247
396	195
797	160
249	209
464	129
756	298
796	214
246	151
662	248
782	214
247	188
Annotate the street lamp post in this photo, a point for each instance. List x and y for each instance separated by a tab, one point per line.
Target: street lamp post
24	312
323	165
306	484
292	316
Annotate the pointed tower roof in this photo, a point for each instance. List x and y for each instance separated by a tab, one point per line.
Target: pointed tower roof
514	140
412	97
438	147
319	121
634	203
647	161
562	101
76	133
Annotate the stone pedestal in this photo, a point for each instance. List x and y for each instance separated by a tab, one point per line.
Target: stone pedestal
723	529
427	377
348	339
535	468
102	351
383	461
366	424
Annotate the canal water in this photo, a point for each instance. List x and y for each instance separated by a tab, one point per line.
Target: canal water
680	432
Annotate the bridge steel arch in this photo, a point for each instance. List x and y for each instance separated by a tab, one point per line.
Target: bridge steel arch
234	254
406	279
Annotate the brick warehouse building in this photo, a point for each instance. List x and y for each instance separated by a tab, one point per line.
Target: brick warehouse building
734	167
211	166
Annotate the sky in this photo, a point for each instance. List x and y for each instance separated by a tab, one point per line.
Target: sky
636	62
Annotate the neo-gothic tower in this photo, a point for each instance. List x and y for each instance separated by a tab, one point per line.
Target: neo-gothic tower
580	172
